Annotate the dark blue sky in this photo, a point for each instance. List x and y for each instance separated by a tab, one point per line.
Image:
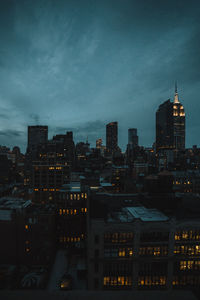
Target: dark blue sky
79	64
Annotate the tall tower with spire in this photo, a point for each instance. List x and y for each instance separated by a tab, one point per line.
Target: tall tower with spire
170	124
178	122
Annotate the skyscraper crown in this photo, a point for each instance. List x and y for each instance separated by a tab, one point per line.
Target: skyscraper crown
176	100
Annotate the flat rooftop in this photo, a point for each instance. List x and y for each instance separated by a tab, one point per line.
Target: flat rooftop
71	187
130	214
11	203
146	214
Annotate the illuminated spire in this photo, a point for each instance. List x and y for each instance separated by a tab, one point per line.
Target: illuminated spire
176	100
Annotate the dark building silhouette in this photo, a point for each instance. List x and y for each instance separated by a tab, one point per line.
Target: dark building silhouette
36	135
170	125
132	137
112	136
164	126
179	123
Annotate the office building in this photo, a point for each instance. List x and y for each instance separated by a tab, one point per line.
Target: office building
71	210
132	138
112	137
142	248
47	178
36	135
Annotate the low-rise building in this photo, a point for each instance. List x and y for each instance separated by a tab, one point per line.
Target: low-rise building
141	248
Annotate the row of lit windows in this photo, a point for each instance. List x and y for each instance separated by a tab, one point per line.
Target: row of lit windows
117	281
153	251
72	211
190	265
182	182
152	280
118	237
46	190
187	235
187	249
71	239
55	168
73	196
77	196
118	252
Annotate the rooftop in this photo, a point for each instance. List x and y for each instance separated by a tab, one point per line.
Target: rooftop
12	203
129	214
71	187
146	214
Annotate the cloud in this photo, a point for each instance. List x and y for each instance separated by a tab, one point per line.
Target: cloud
4	116
11	133
81	64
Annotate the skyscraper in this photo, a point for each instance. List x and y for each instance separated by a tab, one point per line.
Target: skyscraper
112	137
170	125
132	137
178	122
36	135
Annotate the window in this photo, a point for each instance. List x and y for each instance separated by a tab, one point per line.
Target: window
151	281
153	251
117	281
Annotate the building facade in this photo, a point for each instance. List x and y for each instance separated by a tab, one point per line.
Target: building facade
36	135
170	125
141	248
112	137
132	138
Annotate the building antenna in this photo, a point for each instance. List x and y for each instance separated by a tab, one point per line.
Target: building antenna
176	100
176	90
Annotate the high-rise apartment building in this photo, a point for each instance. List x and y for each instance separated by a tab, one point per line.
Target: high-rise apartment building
170	125
111	136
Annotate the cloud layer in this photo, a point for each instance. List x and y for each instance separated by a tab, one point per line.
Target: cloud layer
81	64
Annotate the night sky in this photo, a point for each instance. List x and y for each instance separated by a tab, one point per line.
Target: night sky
79	64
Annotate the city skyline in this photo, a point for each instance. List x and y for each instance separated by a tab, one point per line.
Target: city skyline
76	66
